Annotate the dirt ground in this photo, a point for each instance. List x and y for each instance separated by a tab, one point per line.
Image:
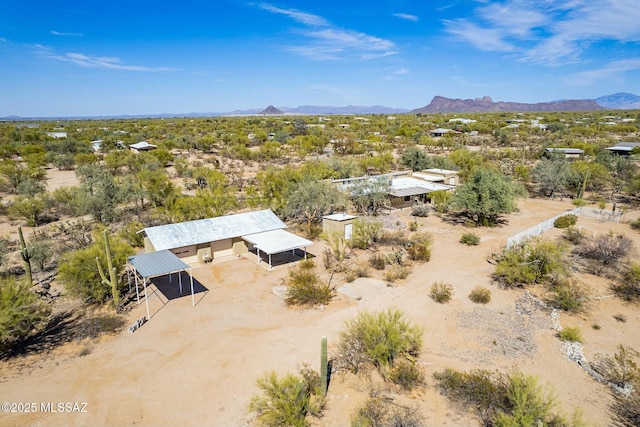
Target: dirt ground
199	365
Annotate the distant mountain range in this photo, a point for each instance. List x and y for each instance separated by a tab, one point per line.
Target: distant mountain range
439	104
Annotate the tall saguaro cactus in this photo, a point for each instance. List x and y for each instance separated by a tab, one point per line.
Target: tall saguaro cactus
27	254
113	279
324	366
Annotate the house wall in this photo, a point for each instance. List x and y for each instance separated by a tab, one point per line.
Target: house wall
239	246
148	246
330	226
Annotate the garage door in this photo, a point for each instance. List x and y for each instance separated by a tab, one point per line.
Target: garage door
221	248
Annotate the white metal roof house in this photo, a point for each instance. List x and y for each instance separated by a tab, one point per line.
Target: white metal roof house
260	232
623	148
142	146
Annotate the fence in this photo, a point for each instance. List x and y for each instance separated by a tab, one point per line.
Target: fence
601	214
538	229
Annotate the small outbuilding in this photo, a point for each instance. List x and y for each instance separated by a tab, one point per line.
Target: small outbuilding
624	148
338	223
142	146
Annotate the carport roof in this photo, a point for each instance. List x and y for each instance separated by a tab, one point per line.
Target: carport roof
276	241
171	236
157	264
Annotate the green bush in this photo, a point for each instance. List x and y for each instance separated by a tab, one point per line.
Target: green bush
378	261
365	232
420	247
570	334
480	295
636	224
531	261
421	210
441	292
628	288
621	368
565	221
505	400
21	312
304	287
470	238
396	272
573	234
377	339
407	374
378	411
569	295
287	401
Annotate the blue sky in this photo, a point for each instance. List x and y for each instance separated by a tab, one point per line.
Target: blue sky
78	58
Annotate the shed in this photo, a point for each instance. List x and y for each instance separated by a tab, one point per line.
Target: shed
142	146
338	223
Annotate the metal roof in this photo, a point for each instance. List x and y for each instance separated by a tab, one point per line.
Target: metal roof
408	182
565	150
409	191
276	241
157	264
189	233
339	217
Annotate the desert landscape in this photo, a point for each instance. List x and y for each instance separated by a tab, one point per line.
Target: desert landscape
199	365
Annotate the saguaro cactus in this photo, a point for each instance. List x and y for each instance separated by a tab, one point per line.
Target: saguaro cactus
113	279
27	254
324	366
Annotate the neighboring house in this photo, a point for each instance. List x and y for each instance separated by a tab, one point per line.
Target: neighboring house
260	232
96	145
623	148
407	187
569	153
142	146
462	120
57	135
441	132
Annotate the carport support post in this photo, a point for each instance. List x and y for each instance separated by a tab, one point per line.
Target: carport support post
270	266
193	299
180	280
146	297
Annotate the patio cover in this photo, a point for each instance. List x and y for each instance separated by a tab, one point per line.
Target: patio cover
157	264
276	241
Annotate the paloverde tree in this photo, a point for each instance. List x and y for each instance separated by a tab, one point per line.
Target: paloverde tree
370	195
485	196
551	174
415	158
309	200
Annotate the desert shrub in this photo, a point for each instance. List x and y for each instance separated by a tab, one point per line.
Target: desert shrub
606	249
365	232
378	339
378	261
625	410
421	210
531	261
569	295
407	374
628	288
621	368
396	272
620	318
441	292
573	234
420	247
21	313
470	238
570	334
511	400
304	287
636	224
286	401
413	226
480	295
394	238
565	221
378	411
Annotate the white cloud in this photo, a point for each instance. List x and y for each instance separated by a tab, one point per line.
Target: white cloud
407	16
328	42
548	32
101	62
61	34
610	71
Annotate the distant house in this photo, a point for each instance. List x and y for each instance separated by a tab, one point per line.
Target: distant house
623	148
462	120
441	132
261	233
57	135
142	146
569	153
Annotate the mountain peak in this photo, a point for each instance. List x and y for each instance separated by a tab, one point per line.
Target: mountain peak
271	110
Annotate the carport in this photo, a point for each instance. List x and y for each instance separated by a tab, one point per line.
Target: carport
275	242
156	264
